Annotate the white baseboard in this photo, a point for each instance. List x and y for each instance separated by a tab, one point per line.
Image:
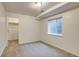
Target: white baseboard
61	48
2	49
27	42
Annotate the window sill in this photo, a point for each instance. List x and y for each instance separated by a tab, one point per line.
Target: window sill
55	34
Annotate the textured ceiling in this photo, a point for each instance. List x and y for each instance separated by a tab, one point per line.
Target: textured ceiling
27	8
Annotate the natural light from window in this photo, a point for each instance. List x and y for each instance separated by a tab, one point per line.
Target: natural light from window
55	26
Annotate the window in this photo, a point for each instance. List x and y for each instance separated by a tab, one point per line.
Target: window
55	26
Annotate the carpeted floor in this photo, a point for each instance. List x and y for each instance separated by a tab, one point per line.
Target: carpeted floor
37	49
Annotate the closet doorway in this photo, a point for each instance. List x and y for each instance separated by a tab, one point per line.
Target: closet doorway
13	30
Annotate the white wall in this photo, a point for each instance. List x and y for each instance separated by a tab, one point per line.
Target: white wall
70	39
3	29
29	28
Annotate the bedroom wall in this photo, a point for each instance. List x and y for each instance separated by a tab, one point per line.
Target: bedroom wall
29	28
70	39
3	29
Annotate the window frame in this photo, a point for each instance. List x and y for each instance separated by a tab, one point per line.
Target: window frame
56	34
